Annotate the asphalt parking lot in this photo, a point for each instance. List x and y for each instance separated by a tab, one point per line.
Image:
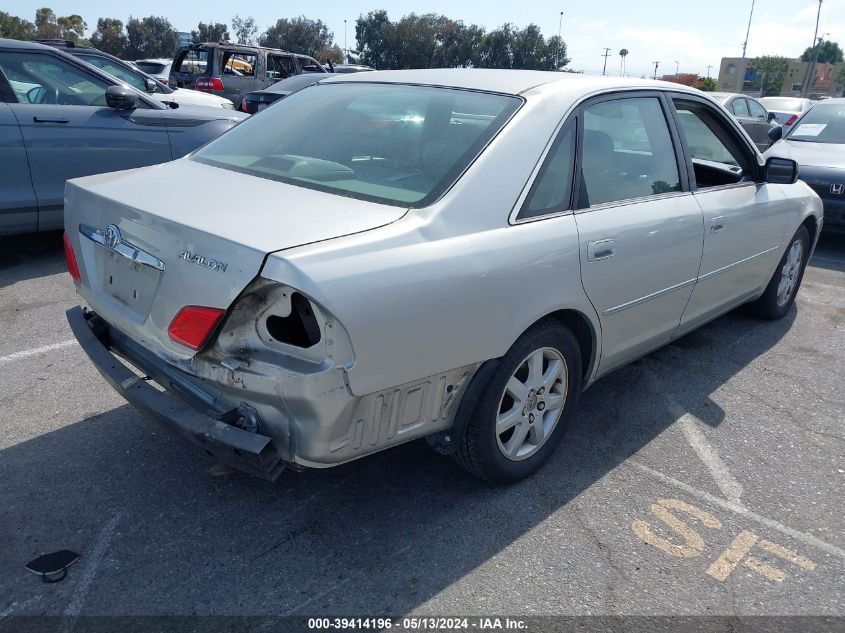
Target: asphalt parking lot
705	479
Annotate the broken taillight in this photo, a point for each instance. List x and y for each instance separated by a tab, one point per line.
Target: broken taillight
70	256
192	325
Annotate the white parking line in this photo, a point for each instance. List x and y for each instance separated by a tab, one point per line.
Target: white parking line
729	486
74	607
18	606
34	352
807	539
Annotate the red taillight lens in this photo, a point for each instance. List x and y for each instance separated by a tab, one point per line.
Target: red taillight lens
208	84
70	256
192	325
244	106
791	120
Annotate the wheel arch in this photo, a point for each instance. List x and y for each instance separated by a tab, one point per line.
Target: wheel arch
586	333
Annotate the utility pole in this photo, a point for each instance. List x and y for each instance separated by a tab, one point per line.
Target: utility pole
557	51
677	66
812	81
345	47
656	64
708	70
605	55
815	37
748	31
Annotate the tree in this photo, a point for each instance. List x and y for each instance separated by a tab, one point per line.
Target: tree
298	35
458	44
829	53
376	36
245	30
72	27
109	37
13	27
46	25
557	50
333	53
495	50
707	84
210	33
152	36
769	72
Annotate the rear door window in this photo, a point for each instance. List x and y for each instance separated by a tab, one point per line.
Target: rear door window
627	151
551	191
193	60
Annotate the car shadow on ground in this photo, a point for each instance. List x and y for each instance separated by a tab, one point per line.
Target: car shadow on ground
30	256
381	535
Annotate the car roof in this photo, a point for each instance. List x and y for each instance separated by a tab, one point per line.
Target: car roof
296	82
157	60
9	43
505	81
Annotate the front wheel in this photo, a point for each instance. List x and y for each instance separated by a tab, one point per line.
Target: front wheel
783	287
523	410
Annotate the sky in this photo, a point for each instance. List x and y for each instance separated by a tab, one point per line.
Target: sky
682	34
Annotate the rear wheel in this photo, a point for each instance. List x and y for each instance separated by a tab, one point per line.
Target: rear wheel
783	287
523	410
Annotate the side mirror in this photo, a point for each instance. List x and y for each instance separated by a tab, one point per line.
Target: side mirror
151	85
781	171
772	117
121	98
776	133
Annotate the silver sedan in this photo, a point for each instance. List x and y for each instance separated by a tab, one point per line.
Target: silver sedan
448	254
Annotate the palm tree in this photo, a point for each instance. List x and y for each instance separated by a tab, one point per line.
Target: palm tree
623	54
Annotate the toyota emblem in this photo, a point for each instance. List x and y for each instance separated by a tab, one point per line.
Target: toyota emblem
112	236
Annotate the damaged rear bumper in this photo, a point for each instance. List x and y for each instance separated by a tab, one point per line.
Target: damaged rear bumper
250	452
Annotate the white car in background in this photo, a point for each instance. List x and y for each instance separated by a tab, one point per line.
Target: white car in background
157	68
787	110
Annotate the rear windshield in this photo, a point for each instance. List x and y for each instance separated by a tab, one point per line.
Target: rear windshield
782	105
823	124
151	68
396	144
193	60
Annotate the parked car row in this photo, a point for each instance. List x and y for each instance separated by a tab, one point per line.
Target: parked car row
61	118
131	74
233	70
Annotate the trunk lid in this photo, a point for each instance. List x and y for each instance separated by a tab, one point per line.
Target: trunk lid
191	234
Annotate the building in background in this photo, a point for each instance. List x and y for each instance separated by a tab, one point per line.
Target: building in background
736	76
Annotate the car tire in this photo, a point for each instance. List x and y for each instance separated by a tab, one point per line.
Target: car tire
783	287
545	364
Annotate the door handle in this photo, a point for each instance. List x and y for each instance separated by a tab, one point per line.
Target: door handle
717	225
44	119
601	249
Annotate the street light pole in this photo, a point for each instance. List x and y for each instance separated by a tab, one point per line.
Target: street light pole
677	66
656	64
345	47
557	51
